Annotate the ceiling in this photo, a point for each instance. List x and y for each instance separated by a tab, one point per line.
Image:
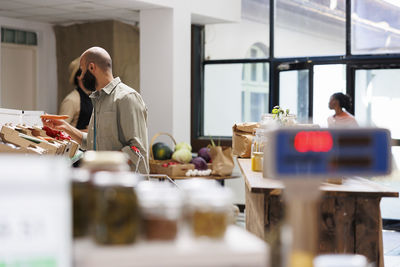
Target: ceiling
72	11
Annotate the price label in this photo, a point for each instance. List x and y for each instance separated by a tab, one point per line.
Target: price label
299	153
35	212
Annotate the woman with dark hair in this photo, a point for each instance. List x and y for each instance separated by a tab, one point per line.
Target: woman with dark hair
341	118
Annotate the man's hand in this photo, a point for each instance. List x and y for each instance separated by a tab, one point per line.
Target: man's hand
62	125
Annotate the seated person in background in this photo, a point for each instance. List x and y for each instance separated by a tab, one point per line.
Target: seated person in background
341	118
77	104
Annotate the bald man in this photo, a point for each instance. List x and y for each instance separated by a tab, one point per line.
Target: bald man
119	118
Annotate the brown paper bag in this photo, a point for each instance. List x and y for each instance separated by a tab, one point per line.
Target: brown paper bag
242	137
222	160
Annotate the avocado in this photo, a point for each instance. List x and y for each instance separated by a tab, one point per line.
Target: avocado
161	151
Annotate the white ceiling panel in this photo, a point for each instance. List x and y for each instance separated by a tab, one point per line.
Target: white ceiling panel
126	4
72	11
12	5
47	3
12	14
42	11
85	6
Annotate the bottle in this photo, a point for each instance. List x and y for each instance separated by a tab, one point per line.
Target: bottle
257	150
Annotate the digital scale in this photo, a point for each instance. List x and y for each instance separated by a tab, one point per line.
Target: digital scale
302	158
296	153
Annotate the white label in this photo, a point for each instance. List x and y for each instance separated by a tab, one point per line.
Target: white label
35	212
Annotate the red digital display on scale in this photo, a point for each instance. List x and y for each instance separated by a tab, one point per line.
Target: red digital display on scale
313	141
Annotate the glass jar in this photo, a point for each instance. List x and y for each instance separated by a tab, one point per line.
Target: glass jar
161	205
116	212
288	120
81	202
95	161
257	150
210	212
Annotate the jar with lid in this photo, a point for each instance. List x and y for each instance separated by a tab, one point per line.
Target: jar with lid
161	205
114	161
116	212
257	150
210	212
81	201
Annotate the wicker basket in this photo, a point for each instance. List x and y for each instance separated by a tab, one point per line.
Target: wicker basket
156	166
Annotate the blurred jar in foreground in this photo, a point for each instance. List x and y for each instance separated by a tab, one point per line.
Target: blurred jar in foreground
116	213
161	205
210	212
340	260
81	201
96	161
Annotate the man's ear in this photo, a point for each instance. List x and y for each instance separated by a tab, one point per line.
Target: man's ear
91	67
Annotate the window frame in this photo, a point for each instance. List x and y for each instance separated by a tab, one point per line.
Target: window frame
352	62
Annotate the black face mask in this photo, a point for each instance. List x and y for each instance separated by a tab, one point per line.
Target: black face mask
89	81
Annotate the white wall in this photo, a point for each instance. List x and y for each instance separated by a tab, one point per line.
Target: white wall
46	93
165	70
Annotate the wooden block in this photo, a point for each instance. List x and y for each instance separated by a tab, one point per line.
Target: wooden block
367	231
276	212
255	211
336	226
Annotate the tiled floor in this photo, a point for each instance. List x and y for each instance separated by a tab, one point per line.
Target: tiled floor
391	248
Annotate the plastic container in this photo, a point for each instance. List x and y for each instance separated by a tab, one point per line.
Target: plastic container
116	218
161	205
81	202
210	212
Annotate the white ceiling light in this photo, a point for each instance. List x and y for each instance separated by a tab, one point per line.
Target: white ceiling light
333	4
393	2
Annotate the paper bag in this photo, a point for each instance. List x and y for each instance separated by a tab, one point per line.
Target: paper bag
222	160
242	137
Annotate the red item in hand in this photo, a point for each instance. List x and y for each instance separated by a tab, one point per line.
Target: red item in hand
58	135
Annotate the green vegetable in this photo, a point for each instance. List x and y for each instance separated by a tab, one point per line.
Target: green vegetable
183	145
161	151
182	155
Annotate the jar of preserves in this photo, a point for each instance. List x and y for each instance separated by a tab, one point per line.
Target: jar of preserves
81	201
116	210
161	205
257	150
210	212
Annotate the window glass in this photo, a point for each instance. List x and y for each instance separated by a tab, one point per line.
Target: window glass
310	28
328	79
233	40
377	99
233	84
293	93
375	26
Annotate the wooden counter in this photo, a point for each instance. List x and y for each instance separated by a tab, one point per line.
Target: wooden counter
350	218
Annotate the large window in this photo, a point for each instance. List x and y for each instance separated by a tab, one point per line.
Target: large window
310	50
375	26
328	79
377	97
293	93
309	28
